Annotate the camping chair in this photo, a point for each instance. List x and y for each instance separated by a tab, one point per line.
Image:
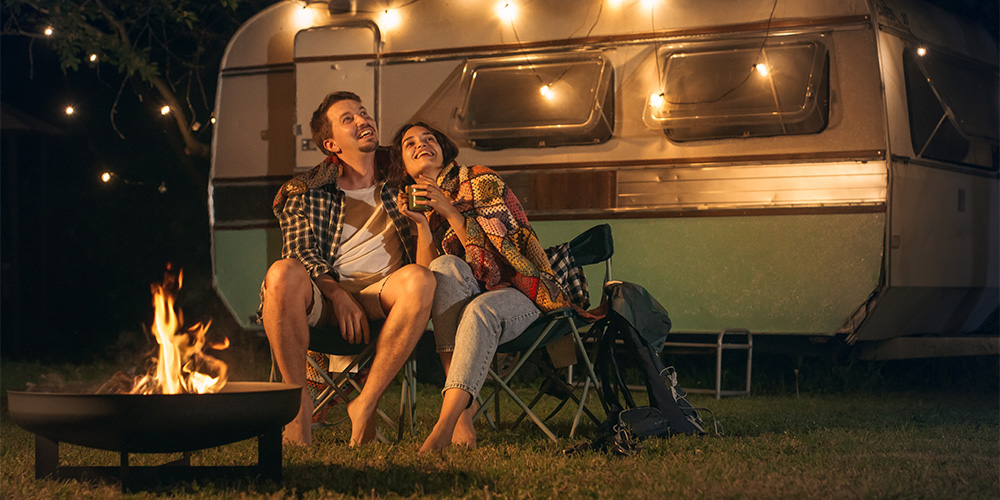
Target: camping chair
591	247
325	341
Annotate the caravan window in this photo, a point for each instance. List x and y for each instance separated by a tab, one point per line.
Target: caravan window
952	108
536	101
742	89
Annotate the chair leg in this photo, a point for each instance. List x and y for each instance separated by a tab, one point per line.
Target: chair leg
534	418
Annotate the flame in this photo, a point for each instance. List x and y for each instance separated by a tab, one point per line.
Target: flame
181	365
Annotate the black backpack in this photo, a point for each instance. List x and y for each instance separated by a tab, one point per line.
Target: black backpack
637	325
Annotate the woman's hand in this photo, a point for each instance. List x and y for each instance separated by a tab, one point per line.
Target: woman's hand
441	204
419	218
437	200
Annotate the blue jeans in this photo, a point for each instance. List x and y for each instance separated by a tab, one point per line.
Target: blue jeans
471	323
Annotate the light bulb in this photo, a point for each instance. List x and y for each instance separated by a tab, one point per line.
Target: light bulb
546	92
106	177
762	69
70	110
389	19
656	100
507	11
165	110
48	31
921	51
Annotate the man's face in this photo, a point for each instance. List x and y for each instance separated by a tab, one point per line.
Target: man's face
353	128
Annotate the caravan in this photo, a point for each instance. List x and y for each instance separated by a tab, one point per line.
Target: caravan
813	168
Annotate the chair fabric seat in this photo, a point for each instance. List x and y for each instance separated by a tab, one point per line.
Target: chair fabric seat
328	340
534	330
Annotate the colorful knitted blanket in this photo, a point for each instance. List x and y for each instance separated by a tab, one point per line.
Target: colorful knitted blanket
502	248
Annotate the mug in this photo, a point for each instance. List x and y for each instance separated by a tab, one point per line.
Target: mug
415	203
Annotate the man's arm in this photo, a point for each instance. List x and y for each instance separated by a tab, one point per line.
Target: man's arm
299	240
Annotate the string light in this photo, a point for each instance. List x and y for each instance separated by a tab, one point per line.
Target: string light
48	31
656	100
507	11
107	176
305	17
93	57
762	69
165	110
70	110
389	19
212	120
546	92
921	51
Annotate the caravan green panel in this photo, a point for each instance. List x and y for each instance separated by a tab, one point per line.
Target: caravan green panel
789	274
242	257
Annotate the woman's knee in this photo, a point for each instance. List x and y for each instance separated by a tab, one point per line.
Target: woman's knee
448	265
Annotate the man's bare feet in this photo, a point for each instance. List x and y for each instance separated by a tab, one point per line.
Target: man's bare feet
362	423
299	431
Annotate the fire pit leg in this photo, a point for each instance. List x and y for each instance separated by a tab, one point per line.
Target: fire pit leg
269	455
46	457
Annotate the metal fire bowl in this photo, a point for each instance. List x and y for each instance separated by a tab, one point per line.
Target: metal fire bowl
157	423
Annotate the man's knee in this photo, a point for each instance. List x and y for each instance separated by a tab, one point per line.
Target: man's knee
285	279
416	283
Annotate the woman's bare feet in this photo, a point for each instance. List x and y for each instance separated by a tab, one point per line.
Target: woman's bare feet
465	431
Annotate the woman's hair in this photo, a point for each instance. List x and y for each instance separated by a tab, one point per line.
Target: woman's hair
397	176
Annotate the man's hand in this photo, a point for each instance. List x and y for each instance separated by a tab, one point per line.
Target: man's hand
350	316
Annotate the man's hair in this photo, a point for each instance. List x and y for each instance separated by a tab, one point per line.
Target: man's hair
320	124
397	176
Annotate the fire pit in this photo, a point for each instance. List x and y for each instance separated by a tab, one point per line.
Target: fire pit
157	423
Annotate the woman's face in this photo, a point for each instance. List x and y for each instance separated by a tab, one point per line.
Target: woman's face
421	153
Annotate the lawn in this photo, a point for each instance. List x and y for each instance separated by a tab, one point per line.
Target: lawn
935	442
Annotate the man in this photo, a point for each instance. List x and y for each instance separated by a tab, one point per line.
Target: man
346	257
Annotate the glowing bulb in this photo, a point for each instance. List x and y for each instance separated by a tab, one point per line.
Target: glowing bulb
48	31
212	120
165	110
305	17
762	69
93	57
546	91
656	100
70	110
649	4
389	19
921	51
507	11
106	177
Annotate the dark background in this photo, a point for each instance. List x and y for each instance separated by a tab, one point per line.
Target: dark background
78	255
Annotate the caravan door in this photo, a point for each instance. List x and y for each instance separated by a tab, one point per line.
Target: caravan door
328	59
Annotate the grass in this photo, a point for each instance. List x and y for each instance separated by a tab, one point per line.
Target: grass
931	443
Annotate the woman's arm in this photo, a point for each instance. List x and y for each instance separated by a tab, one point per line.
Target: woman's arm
444	206
426	251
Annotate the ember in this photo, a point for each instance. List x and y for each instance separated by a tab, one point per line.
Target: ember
180	366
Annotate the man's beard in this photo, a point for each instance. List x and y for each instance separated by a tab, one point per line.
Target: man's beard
368	148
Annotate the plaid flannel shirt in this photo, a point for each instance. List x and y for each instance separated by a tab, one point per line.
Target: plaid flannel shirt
310	210
312	223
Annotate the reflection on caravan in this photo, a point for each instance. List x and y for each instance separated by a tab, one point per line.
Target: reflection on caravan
811	168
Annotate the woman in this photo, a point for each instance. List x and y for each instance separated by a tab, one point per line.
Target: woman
493	277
